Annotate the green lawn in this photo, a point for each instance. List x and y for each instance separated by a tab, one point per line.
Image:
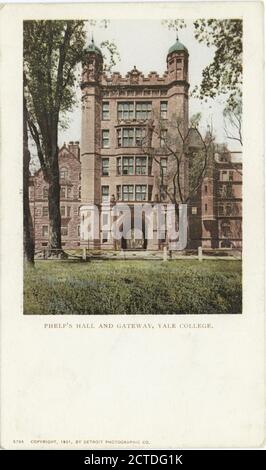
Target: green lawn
133	287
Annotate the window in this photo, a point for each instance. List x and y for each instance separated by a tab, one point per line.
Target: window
63	192
105	138
68	211
45	230
163	110
119	137
231	175
221	210
63	211
163	166
45	211
69	192
45	192
64	230
127	137
163	137
141	190
225	229
105	193
206	189
118	193
150	193
79	192
79	176
78	230
194	210
141	165
228	209
105	167
105	111
149	165
143	110
140	135
118	165
130	136
206	207
223	175
128	192
128	166
125	110
63	173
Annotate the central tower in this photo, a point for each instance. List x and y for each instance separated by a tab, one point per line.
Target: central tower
116	113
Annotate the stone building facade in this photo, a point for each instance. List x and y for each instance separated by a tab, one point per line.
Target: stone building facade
114	167
116	112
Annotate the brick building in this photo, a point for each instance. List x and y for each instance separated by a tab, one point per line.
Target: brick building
70	182
112	166
215	213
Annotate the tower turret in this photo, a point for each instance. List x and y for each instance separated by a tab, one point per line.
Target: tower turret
177	61
177	67
92	66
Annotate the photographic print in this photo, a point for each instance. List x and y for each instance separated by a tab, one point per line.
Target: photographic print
133	166
132	226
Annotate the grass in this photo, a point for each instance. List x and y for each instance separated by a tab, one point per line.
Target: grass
133	287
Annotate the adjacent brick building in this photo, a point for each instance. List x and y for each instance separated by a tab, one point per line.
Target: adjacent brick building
70	181
215	214
113	167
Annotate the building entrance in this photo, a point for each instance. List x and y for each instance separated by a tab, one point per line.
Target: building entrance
134	240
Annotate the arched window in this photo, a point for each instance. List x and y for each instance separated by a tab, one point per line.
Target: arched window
63	173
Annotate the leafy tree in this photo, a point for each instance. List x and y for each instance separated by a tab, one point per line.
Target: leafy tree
52	52
224	73
52	49
28	240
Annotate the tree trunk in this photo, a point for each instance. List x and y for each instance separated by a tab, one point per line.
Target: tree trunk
28	236
54	203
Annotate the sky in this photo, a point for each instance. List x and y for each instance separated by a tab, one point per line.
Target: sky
145	44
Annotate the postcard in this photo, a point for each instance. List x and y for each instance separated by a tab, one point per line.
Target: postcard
132	225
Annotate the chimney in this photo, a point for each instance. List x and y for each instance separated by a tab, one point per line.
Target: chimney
73	147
